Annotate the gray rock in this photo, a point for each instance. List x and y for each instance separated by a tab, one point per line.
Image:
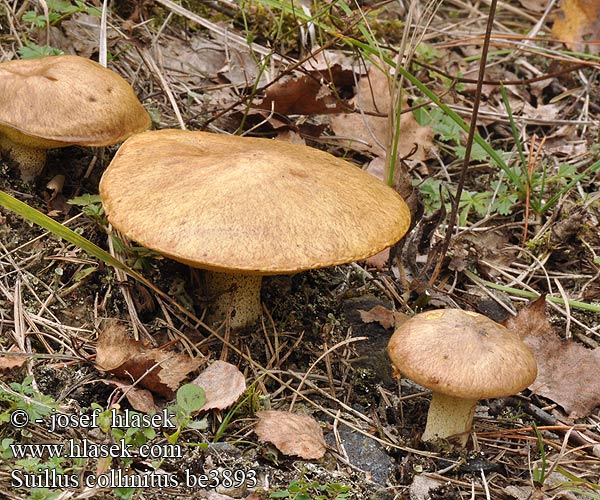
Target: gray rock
365	453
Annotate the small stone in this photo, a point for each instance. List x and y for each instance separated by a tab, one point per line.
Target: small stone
366	454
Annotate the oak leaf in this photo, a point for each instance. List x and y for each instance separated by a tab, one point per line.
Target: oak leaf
384	316
567	373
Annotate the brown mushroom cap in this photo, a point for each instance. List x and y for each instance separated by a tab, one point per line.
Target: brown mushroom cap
246	205
67	100
462	354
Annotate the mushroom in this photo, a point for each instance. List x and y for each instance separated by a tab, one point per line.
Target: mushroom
60	101
245	207
462	356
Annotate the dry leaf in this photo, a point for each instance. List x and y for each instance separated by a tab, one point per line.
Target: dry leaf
531	320
567	373
534	5
10	361
301	95
223	384
334	66
370	131
129	359
139	399
379	260
384	316
256	496
292	434
577	23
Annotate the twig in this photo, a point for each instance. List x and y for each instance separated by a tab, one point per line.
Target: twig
469	146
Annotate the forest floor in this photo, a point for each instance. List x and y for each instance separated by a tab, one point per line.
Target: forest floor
320	74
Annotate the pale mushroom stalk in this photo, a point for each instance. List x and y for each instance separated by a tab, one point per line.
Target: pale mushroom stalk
29	160
449	416
234	293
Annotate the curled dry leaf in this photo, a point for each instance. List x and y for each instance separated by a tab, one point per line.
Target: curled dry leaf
314	91
292	434
384	316
129	359
334	66
139	399
301	95
223	384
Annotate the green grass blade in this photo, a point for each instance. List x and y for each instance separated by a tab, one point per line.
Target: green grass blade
587	172
573	304
56	228
513	125
515	133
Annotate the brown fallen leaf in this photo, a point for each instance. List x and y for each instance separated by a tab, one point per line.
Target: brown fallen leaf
292	434
384	316
257	496
577	25
11	361
334	66
120	355
379	260
531	320
567	373
301	95
223	384
139	399
368	130
534	5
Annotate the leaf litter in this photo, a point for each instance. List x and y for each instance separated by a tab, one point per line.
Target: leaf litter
568	372
291	433
223	384
159	371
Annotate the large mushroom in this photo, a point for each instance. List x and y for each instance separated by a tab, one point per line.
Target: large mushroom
60	101
462	356
242	208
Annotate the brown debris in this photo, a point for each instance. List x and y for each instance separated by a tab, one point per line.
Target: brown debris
129	359
292	434
223	384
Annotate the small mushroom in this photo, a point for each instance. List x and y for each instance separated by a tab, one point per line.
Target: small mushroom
462	357
60	101
246	207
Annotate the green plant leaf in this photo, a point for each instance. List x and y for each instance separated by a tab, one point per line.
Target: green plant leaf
191	397
33	51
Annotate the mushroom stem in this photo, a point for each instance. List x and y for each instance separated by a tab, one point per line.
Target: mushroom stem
30	160
235	294
449	416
